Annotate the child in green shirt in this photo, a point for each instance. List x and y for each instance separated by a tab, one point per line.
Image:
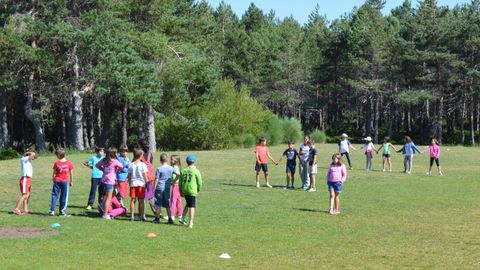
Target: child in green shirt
190	184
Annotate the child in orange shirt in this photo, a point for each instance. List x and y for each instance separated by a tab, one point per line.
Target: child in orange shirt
262	154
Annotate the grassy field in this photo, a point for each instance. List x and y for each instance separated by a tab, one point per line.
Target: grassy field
388	220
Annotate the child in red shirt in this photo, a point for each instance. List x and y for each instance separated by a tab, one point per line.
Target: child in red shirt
62	172
262	153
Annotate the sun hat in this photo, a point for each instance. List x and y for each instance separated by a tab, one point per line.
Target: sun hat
344	135
368	138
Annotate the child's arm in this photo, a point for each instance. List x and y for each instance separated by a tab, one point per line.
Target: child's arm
344	173
199	181
87	164
53	175
415	148
353	147
391	145
155	183
270	157
71	178
379	148
315	159
401	149
145	177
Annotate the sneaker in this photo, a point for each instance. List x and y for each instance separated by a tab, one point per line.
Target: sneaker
164	217
170	221
332	212
89	207
390	170
64	214
258	185
286	187
182	221
305	188
383	170
311	190
143	219
26	213
429	173
17	211
409	172
173	218
106	217
51	213
441	174
132	219
268	185
190	225
156	221
337	213
292	188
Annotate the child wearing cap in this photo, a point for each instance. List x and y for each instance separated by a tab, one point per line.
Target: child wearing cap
344	146
369	148
190	185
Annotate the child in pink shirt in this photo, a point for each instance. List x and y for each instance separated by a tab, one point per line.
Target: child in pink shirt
116	208
176	199
337	174
434	150
109	166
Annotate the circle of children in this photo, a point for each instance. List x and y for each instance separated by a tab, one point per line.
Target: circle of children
113	175
337	172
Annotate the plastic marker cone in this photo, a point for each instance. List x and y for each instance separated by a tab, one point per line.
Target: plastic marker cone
55	225
151	235
224	256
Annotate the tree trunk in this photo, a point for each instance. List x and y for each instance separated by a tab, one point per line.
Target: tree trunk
439	122
76	140
63	141
151	128
29	113
98	126
91	125
478	117
462	119
124	123
140	123
472	123
4	136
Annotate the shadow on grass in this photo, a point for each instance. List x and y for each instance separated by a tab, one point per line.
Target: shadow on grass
311	210
238	185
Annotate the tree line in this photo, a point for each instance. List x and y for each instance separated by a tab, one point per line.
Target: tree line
183	74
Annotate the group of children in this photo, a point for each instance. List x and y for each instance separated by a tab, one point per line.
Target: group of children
114	176
337	174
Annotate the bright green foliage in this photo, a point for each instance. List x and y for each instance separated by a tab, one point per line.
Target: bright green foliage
292	130
318	136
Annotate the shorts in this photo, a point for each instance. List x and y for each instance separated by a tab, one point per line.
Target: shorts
386	155
137	192
290	168
313	169
25	184
162	198
191	201
437	161
123	189
263	167
369	154
108	187
335	186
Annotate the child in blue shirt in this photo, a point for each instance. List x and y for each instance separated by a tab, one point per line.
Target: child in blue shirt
408	149
96	176
163	180
291	154
123	174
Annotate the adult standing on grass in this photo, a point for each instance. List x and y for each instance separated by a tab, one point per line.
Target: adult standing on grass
25	182
344	146
96	180
262	154
304	167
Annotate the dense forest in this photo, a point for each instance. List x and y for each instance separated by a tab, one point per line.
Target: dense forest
183	74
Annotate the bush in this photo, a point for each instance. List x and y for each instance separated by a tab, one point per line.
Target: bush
244	140
292	130
8	153
274	131
318	136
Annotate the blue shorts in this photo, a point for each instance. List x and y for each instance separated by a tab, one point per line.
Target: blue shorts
336	186
290	168
263	167
107	187
386	155
162	198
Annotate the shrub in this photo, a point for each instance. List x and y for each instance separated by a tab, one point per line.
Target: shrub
249	140
8	153
274	131
292	130
318	136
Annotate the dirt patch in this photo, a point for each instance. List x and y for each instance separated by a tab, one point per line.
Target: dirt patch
24	232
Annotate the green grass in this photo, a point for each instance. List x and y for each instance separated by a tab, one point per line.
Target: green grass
388	220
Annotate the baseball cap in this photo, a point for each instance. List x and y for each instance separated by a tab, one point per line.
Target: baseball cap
191	159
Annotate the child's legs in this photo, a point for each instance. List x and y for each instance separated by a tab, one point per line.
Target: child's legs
93	190
312	180
132	207
117	212
431	164
383	162
332	198
289	177
348	159
63	196
410	164
192	214
176	201
292	177
405	161
306	174
22	200
389	163
108	199
55	191
141	208
337	201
